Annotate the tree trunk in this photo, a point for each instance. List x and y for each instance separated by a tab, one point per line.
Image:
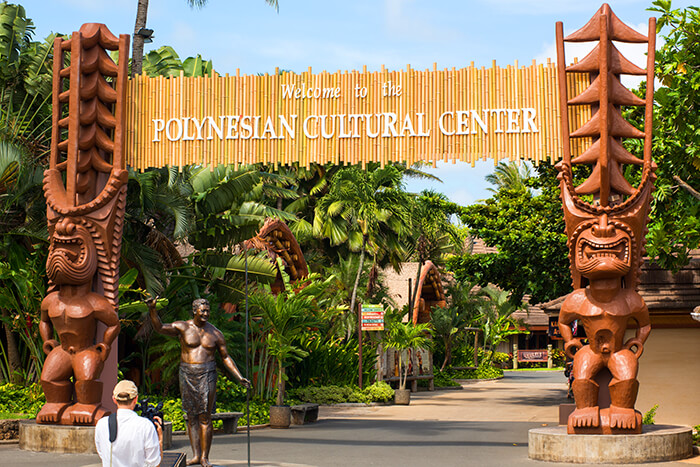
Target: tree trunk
415	290
137	47
14	362
448	353
280	385
357	279
687	187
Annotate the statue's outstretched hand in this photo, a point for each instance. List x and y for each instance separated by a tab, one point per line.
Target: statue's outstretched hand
246	383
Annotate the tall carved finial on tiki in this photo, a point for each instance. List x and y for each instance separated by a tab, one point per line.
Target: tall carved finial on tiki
85	189
606	219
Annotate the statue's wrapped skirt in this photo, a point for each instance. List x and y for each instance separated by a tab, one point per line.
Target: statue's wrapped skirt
197	387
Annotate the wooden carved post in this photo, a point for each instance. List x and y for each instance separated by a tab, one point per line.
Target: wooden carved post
606	221
85	189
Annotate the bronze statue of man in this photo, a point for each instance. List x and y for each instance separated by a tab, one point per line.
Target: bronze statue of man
199	342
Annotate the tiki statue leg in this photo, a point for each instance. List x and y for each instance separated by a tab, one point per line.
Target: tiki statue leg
55	381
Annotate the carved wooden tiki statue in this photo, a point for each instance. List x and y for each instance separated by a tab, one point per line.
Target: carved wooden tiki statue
85	189
606	221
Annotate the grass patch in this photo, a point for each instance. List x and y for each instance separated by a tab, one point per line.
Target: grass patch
14	416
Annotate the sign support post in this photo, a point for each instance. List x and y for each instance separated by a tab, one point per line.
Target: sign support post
359	339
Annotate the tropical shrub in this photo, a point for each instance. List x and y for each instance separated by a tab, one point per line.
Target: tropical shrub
326	395
332	361
558	357
482	372
17	399
649	415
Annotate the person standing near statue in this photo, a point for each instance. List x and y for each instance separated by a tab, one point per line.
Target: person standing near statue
199	342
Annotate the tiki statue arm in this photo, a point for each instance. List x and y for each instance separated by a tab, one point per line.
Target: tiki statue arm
46	328
641	315
108	315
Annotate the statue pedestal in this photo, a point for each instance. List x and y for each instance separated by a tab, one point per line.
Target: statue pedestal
67	439
56	438
656	443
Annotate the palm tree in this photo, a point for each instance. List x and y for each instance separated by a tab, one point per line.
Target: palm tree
366	209
25	128
509	176
434	234
496	320
141	17
447	322
404	336
285	318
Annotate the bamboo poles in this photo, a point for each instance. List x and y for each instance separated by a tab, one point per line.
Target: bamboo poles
351	117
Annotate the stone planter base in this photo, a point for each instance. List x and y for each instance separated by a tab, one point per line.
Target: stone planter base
656	443
9	429
402	396
280	416
68	439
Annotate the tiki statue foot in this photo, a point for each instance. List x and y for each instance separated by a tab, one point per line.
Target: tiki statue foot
622	417
586	417
52	412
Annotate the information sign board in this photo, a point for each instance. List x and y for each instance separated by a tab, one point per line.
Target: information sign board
372	318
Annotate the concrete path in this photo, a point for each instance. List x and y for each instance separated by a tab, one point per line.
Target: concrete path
484	424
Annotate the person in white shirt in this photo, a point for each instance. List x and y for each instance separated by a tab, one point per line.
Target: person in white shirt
139	443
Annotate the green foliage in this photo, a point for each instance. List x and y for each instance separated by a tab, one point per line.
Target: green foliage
22	289
403	336
331	361
495	319
16	399
367	211
230	397
333	394
442	379
164	61
379	392
528	231
500	358
558	357
286	317
484	371
696	435
675	218
434	236
648	417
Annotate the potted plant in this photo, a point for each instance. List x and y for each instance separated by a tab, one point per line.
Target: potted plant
286	317
401	337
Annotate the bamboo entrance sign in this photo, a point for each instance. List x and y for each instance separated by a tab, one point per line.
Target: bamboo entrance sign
351	117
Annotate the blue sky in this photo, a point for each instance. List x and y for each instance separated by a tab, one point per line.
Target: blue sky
252	36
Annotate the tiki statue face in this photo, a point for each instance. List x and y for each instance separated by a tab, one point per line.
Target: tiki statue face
72	259
603	250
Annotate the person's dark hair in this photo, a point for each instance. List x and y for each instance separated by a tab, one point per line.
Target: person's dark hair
199	302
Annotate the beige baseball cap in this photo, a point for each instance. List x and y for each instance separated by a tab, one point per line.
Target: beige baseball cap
125	390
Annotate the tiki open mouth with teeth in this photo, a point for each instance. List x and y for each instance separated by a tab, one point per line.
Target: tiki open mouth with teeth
72	258
589	250
603	251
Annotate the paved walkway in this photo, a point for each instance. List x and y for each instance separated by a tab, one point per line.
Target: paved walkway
484	424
